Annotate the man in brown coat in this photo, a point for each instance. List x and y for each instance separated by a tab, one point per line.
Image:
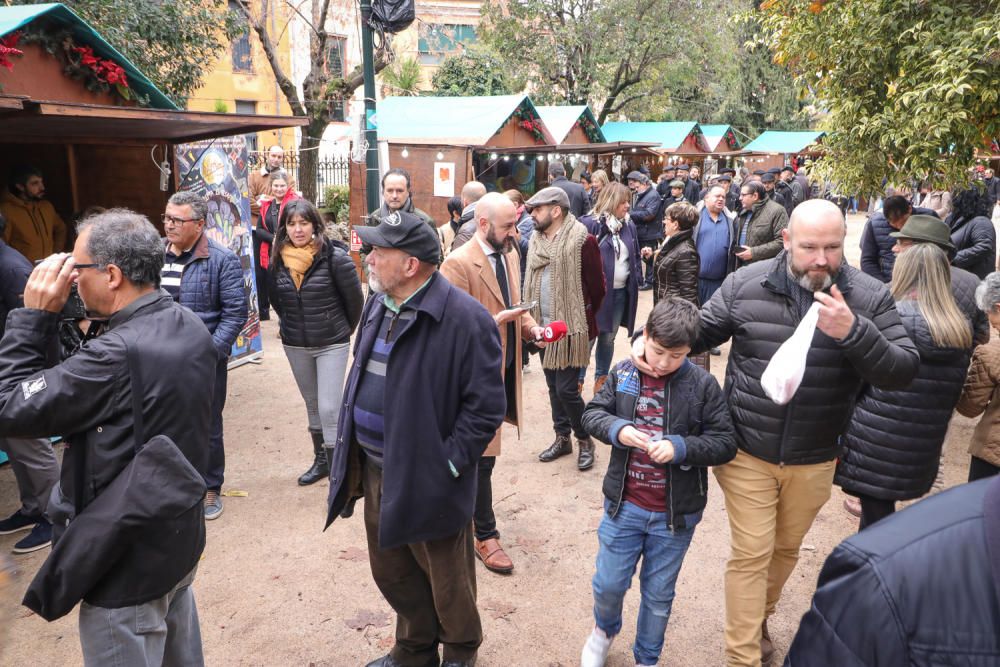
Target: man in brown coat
488	269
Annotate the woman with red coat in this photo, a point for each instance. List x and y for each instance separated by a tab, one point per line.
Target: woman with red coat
263	235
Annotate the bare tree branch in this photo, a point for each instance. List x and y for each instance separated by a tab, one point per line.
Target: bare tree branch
284	83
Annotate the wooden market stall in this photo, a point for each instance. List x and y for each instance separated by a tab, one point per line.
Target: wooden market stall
723	148
678	142
97	128
774	148
436	138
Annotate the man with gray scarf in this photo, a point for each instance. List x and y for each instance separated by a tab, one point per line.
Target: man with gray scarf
565	279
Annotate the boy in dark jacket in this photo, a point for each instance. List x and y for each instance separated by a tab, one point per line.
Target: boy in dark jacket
664	430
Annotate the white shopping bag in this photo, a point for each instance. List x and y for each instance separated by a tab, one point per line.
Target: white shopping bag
783	375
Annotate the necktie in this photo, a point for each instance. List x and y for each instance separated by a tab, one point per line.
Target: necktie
505	291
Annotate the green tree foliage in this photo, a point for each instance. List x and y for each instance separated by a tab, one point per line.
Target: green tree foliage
910	86
173	43
401	78
643	59
473	72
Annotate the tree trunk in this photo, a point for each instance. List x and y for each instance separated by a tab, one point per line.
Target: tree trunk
309	157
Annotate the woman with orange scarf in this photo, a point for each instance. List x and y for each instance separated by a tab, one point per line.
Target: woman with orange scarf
315	290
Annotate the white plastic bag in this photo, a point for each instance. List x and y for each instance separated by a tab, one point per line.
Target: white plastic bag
783	375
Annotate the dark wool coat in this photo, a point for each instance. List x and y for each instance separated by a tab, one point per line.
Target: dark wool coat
443	415
893	443
755	307
605	314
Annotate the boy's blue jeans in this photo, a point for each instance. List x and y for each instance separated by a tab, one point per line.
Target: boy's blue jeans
622	540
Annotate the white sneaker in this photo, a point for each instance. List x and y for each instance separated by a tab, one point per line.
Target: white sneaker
595	651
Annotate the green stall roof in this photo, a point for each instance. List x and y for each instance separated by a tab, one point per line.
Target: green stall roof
16	17
669	136
714	134
773	141
449	120
560	120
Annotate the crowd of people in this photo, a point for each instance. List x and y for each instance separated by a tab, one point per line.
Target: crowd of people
412	425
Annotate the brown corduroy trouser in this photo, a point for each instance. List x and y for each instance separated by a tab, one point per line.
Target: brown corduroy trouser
430	585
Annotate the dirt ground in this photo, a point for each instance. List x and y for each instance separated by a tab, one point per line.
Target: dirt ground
273	589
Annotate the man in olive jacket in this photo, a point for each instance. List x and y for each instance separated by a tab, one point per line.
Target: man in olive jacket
88	398
758	227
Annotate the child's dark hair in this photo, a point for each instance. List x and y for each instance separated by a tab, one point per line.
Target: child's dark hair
673	322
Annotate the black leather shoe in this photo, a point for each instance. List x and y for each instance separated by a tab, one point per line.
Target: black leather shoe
585	460
459	663
560	447
715	352
388	661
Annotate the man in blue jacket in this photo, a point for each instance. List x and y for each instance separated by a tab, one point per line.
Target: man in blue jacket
919	588
206	277
877	257
416	418
646	214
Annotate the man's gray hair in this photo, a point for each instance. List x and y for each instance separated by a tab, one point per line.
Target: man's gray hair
557	169
129	241
988	292
198	204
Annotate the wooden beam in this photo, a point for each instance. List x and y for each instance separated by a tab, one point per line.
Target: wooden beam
74	188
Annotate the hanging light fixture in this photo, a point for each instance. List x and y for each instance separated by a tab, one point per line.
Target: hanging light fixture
439	155
521	158
405	153
493	156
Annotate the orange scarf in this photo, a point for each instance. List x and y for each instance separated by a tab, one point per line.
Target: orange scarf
298	261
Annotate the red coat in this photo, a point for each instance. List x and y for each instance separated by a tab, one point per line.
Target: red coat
265	246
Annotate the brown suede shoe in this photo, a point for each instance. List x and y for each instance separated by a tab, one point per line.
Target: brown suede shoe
853	506
766	646
493	556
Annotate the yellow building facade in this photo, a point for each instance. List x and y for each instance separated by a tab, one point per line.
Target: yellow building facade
242	80
442	28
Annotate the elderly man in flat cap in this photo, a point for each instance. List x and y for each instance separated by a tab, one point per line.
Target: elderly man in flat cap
647	214
415	420
565	279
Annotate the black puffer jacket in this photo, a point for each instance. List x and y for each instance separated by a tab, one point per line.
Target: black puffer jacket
963	288
975	240
894	441
326	309
697	422
756	308
675	269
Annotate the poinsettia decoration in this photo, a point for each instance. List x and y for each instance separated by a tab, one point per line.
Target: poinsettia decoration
8	48
99	75
589	128
530	122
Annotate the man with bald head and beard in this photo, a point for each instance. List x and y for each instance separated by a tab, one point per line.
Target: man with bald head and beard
488	269
783	471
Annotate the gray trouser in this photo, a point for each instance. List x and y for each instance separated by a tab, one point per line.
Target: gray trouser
319	373
163	632
36	470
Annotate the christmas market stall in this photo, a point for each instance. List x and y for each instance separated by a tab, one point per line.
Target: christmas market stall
104	136
776	149
678	143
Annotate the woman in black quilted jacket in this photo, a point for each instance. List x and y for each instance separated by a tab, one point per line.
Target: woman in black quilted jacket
893	442
314	287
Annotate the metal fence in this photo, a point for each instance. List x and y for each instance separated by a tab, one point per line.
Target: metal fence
335	171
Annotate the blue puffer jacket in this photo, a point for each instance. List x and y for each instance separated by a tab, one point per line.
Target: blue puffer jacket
212	287
14	272
877	257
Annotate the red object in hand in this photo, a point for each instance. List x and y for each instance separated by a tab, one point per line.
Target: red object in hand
555	331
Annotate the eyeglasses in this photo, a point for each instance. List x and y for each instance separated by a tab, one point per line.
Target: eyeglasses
171	220
88	266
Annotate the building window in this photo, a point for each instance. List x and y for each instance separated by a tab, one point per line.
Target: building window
248	107
242	53
438	41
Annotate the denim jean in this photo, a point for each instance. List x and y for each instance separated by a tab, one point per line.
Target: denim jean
216	472
606	341
636	532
